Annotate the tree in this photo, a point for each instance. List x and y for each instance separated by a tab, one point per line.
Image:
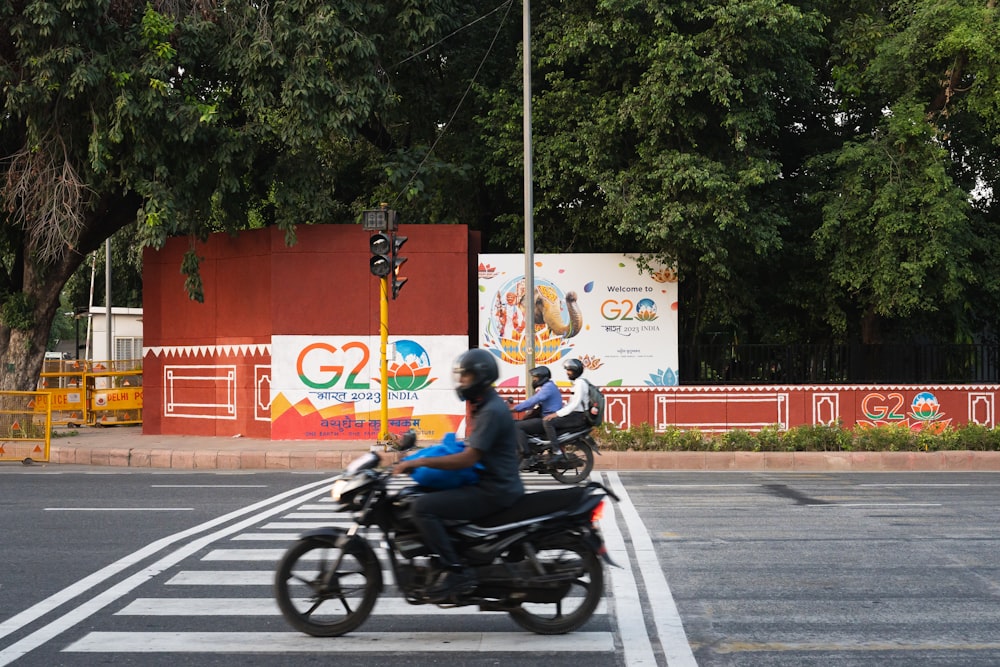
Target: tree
188	116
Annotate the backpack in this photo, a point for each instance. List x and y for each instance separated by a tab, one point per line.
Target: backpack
595	403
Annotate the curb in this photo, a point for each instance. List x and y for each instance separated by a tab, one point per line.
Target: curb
279	459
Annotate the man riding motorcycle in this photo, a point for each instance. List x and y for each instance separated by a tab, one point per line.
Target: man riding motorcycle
545	400
573	415
493	444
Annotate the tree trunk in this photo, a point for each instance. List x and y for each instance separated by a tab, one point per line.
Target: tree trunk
22	352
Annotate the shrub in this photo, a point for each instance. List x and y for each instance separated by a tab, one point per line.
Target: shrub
808	438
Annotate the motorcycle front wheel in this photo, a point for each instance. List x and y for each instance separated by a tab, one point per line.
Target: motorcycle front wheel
570	558
578	464
322	601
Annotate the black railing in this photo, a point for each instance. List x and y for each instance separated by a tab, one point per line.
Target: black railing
839	364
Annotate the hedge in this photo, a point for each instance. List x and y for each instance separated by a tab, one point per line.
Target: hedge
834	438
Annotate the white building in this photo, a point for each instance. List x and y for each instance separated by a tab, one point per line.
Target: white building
126	334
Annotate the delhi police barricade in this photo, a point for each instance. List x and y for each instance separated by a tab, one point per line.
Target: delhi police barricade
25	426
94	392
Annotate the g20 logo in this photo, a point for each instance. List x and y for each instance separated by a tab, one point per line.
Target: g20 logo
643	310
321	365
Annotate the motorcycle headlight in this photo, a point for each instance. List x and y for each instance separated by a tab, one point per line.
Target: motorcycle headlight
338	489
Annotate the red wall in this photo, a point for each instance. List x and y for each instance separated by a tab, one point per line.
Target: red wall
206	369
207	365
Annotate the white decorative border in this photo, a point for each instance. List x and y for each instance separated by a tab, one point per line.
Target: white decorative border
262	384
825	408
779	400
171	405
207	350
981	402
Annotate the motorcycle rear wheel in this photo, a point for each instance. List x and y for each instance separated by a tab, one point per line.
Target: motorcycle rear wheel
327	609
578	466
565	554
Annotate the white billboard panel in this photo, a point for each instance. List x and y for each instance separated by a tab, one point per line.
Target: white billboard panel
619	320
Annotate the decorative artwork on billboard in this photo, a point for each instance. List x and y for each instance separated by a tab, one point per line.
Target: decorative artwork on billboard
620	320
329	387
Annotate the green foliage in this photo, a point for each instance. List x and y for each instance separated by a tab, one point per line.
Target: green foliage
17	312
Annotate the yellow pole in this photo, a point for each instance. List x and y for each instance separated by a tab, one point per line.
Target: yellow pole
383	434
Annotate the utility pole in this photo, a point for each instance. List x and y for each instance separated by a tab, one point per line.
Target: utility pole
529	206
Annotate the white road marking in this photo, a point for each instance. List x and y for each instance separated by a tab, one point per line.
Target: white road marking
669	627
119	509
208	486
890	486
387	606
222	578
94	604
315	515
628	607
304	525
266	537
700	486
355	642
849	505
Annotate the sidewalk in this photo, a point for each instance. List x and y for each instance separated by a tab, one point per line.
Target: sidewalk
126	446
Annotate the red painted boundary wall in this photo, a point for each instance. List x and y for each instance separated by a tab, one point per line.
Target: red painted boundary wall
718	409
207	366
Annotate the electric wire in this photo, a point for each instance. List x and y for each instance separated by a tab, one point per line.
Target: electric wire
472	81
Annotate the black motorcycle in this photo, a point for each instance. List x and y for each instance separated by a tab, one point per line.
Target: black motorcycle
574	466
538	561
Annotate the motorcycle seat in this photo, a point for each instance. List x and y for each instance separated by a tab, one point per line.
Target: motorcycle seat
561	437
536	504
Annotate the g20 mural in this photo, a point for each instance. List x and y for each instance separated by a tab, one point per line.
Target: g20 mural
330	386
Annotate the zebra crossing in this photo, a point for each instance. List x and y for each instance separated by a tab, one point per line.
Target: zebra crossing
226	586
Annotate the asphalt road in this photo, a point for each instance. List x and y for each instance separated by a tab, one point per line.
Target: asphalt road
148	567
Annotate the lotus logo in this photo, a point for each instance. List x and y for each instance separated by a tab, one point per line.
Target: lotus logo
412	373
645	310
925	407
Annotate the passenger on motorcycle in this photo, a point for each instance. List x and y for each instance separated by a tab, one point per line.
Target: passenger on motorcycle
492	443
546	400
573	415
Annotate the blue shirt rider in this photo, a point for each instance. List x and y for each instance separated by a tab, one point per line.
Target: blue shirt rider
545	401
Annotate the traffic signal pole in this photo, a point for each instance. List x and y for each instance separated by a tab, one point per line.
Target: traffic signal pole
383	434
384	264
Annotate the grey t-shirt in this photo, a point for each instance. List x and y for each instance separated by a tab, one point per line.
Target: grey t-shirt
494	435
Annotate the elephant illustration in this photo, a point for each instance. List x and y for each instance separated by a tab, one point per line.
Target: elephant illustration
548	309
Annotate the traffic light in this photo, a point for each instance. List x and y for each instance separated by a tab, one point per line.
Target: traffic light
382	248
397	261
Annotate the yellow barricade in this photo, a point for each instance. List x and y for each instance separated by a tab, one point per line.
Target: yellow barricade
94	392
115	392
24	429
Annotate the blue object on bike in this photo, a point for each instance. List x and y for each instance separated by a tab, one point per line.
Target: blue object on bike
443	479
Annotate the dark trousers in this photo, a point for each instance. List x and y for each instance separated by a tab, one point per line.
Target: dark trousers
465	502
526	427
574	421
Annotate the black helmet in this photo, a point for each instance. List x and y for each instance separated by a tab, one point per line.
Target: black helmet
482	366
539	376
574	367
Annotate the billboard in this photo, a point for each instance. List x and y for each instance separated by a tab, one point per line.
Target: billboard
617	318
329	387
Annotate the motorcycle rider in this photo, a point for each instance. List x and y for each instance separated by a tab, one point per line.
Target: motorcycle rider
573	415
545	400
492	442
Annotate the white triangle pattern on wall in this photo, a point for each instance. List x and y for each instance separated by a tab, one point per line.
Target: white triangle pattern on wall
168	351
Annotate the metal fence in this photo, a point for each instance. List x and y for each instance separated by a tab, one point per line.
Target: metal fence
839	364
